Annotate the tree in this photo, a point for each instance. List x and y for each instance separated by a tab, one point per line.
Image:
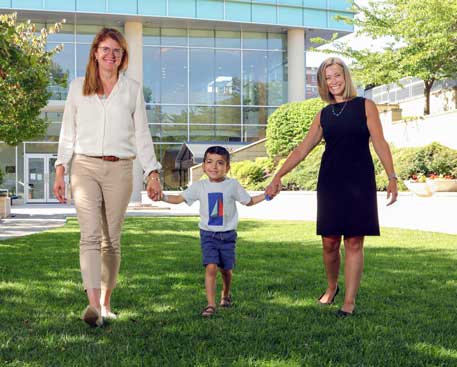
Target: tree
25	73
422	42
147	93
289	124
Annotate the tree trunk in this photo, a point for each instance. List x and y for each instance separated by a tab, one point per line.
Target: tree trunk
427	90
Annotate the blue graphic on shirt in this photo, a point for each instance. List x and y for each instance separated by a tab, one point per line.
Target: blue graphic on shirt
216	209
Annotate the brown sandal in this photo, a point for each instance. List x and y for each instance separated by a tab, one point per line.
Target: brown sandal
226	301
209	311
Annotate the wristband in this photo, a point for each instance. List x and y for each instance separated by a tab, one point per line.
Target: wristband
164	197
392	176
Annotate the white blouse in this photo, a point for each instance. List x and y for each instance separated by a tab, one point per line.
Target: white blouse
117	126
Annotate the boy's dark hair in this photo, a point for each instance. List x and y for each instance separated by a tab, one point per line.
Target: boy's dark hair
216	149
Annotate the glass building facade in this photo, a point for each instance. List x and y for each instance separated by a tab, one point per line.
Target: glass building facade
212	71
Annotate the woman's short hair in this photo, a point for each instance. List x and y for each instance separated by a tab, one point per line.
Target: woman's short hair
92	82
349	89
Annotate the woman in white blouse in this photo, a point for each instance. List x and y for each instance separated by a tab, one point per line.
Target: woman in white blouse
104	128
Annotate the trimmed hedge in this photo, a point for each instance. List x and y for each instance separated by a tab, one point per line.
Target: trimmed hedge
289	124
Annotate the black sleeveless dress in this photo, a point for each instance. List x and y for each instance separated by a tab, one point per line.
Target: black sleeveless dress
346	188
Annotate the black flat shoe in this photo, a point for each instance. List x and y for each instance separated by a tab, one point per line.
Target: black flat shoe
341	313
332	300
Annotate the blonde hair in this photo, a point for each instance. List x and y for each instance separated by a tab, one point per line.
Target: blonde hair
92	82
349	89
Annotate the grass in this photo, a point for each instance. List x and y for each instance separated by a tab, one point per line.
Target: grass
406	306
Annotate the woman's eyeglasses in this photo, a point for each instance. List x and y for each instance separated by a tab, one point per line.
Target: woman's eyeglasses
117	52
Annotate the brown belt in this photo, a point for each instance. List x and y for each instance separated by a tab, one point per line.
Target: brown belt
111	158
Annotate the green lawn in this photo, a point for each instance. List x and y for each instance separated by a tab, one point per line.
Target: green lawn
407	312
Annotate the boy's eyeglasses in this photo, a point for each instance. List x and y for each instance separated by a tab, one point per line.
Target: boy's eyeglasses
117	52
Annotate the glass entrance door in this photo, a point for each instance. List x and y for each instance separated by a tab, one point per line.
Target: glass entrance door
39	178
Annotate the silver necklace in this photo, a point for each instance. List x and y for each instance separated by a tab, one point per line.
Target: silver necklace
337	114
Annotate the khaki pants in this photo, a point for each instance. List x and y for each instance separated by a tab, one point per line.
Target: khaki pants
101	192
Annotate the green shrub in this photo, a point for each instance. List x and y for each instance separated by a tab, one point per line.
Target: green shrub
304	176
253	175
288	125
402	158
433	158
419	161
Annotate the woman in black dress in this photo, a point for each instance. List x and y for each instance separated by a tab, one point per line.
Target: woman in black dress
346	188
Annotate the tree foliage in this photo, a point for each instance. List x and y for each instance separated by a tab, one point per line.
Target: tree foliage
25	73
421	42
288	125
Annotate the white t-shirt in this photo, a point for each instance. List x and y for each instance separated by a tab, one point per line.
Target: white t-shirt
218	211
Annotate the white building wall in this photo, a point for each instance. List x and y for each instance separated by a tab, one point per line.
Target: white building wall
441	128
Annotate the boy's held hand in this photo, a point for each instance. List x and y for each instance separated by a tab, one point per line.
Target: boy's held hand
154	190
273	188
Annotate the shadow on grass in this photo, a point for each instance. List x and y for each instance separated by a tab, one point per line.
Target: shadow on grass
406	306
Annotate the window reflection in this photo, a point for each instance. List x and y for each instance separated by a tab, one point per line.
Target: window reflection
201	38
173	114
277	78
151	36
86	33
228	115
215	132
208	76
153	114
255	115
277	41
173	37
62	68
228	39
201	115
168	132
227	84
173	73
255	77
151	74
255	40
82	58
254	133
201	76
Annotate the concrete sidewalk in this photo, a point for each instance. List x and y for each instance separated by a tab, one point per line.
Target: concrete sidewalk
436	213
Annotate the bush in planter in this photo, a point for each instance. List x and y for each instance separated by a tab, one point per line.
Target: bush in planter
434	159
418	163
289	124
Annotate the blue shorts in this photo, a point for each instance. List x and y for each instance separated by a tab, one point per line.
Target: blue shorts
218	248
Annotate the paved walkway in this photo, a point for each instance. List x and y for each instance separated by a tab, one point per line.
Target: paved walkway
436	213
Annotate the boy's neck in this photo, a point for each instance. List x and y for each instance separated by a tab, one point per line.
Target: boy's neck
218	180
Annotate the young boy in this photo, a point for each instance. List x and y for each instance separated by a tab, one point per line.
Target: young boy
218	221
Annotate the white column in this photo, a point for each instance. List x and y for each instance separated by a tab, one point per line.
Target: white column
134	35
296	64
